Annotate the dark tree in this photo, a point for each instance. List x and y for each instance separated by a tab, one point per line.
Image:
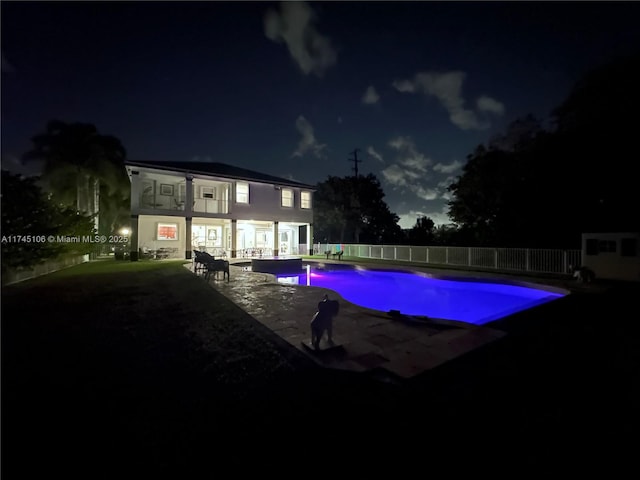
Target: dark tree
373	221
538	188
422	233
596	133
352	209
520	134
84	170
28	211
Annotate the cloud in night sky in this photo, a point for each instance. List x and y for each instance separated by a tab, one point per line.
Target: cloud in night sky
410	169
425	193
447	168
409	155
452	85
293	25
372	152
439	217
370	97
443	185
447	88
488	104
308	142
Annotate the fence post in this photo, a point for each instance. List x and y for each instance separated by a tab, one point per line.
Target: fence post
495	258
369	251
395	257
469	256
427	259
409	252
446	255
564	261
526	265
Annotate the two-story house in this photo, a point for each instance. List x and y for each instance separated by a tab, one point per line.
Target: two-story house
179	207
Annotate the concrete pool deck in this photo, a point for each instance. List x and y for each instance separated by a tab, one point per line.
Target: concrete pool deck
366	340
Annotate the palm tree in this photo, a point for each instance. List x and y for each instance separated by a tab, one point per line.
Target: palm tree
82	168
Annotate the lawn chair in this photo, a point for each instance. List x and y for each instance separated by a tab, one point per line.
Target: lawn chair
200	260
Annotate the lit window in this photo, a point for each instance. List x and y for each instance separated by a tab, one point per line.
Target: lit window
242	192
305	199
287	198
208	192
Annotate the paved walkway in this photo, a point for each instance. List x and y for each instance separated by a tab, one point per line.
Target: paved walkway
365	339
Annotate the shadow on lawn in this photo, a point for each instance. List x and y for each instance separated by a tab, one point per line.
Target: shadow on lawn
144	367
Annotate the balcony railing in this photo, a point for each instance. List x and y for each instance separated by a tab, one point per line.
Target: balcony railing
172	203
206	205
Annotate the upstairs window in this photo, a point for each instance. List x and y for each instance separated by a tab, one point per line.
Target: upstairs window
208	192
287	197
305	199
242	192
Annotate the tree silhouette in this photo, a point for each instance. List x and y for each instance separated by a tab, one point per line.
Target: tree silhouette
539	188
422	232
28	211
352	209
84	169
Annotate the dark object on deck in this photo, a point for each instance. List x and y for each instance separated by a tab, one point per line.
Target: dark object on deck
327	253
121	252
217	266
583	274
207	263
338	254
200	260
322	321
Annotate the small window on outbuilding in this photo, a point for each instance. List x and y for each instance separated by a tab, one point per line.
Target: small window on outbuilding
607	246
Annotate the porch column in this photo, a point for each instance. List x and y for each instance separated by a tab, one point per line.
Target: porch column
188	201
133	242
187	239
188	213
135	191
234	237
276	239
310	239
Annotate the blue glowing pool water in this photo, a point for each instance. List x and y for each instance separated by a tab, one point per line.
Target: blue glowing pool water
413	294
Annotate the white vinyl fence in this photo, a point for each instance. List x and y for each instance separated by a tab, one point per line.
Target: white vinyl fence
500	259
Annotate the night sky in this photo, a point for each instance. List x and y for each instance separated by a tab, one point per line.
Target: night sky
291	89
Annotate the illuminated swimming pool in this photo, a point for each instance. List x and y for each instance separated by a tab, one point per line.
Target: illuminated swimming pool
414	294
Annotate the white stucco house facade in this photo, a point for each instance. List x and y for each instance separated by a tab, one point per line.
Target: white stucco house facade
178	207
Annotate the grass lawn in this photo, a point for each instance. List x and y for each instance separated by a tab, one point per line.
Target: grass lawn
142	367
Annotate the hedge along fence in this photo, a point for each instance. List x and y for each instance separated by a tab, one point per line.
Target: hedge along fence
20	274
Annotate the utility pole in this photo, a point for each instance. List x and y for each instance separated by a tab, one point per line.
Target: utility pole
355	160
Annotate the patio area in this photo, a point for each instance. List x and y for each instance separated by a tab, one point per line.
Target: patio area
365	340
